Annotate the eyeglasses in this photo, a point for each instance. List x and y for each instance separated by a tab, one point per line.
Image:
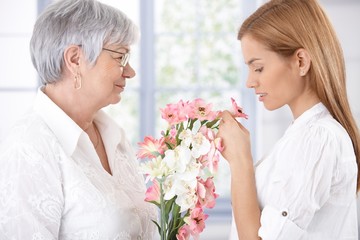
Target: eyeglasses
124	59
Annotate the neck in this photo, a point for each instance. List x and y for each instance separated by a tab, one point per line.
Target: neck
71	102
307	101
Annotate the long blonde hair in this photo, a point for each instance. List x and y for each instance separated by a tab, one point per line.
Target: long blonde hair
284	26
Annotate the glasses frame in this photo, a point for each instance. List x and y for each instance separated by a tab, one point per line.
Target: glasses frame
126	56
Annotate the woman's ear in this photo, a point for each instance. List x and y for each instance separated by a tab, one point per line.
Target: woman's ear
303	61
72	58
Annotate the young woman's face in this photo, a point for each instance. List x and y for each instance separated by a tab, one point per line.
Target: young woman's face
275	79
106	80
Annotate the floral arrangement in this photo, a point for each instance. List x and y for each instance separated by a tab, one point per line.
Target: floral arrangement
181	166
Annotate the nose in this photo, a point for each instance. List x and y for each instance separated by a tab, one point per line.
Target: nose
128	71
251	82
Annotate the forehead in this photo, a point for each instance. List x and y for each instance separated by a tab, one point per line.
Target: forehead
117	47
254	50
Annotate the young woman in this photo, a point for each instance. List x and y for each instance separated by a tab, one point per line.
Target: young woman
305	188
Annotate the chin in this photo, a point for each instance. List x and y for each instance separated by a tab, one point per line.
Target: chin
116	101
271	107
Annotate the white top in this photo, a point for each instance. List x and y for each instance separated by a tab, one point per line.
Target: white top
53	186
307	185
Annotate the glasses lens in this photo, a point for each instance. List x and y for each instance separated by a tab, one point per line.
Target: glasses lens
125	59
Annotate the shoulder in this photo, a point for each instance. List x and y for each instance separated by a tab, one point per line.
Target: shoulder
329	131
29	144
28	130
319	138
320	129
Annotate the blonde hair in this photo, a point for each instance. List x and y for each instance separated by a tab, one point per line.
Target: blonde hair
284	26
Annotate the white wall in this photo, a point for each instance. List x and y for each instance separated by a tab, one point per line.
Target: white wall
17	75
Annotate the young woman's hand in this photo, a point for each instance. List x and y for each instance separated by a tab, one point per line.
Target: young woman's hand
235	138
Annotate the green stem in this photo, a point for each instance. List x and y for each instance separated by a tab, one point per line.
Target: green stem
162	212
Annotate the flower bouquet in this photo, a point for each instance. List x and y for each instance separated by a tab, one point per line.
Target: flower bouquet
181	166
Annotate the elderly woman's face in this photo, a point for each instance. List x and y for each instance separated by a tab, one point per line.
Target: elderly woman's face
105	81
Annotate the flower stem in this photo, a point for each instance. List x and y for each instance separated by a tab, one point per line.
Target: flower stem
162	213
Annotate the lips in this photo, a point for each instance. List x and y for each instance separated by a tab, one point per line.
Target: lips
261	96
121	86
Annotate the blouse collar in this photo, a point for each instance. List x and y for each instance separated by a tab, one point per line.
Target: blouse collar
67	131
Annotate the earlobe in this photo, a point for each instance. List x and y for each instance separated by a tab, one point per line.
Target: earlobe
304	61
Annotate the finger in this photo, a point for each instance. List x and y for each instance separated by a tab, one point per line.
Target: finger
226	115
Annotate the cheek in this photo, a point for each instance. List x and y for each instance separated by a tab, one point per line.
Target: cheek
108	73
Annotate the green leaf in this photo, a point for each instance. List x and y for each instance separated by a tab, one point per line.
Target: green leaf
213	123
169	145
156	203
181	128
192	121
168	207
159	228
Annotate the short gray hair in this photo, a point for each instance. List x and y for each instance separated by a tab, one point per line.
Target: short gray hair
88	23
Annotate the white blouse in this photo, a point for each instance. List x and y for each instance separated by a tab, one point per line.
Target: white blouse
53	186
306	186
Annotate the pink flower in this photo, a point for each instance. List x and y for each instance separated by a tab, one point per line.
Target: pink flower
206	193
170	139
151	147
183	233
237	111
153	193
175	113
196	221
218	144
201	110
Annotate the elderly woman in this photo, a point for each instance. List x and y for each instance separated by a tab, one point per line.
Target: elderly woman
67	170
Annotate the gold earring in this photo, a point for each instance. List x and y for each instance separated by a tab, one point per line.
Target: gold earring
77	81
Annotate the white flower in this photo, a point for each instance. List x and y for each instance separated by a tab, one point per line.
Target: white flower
196	126
200	145
178	158
184	190
186	195
187	137
155	168
191	172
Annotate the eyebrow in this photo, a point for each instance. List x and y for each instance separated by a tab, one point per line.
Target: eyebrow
252	60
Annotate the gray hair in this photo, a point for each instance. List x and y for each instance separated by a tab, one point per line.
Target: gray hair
88	23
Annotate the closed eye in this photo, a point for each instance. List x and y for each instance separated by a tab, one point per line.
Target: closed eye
259	69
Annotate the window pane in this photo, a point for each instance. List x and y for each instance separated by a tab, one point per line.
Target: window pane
219	61
176	63
126	113
196	43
